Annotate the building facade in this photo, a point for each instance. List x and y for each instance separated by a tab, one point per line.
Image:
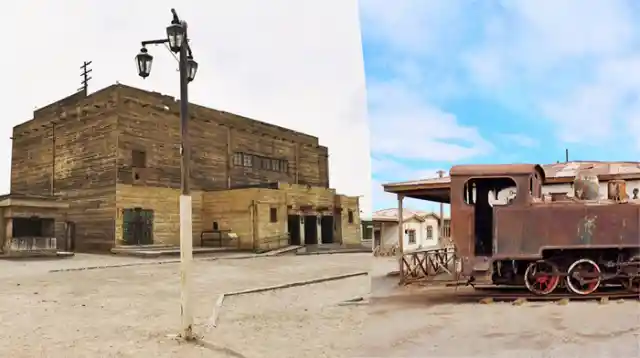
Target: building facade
421	229
114	156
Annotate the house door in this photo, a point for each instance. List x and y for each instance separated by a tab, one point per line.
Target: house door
137	226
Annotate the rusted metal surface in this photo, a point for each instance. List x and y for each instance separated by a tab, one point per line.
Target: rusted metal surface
495	170
530	225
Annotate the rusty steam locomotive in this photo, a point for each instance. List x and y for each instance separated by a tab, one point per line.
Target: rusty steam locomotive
524	238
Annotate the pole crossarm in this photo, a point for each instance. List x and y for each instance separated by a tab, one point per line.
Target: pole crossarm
154	42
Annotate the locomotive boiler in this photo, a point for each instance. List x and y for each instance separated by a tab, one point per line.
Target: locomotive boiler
507	232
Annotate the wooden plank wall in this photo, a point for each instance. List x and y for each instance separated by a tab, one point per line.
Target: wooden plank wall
150	122
81	168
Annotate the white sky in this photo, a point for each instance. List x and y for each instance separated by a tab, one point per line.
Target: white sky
293	63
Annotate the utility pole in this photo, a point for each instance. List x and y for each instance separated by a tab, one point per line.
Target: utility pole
441	223
85	76
178	42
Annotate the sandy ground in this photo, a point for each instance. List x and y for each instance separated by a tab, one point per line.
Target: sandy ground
131	311
400	324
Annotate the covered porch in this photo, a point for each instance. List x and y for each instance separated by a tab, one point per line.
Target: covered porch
34	226
423	263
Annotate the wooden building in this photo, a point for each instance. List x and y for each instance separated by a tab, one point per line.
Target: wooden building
114	157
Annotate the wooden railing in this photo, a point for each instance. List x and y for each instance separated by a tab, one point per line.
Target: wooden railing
440	263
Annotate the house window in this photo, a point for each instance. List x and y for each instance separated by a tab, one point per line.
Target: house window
350	214
411	235
237	159
429	232
273	215
138	159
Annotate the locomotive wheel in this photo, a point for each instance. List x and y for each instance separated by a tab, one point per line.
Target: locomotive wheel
632	283
541	277
576	280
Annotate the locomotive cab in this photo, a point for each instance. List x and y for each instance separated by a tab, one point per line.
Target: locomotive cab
477	191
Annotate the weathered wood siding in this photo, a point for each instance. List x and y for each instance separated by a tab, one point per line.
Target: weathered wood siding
150	122
82	166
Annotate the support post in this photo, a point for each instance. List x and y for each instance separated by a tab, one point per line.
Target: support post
400	235
441	221
186	233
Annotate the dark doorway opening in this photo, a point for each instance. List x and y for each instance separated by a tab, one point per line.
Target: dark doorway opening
294	229
326	225
33	227
137	226
483	195
310	230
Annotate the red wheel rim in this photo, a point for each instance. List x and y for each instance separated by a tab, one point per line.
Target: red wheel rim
540	277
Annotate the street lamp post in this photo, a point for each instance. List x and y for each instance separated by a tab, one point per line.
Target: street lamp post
178	42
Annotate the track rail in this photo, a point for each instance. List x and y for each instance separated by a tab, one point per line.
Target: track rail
513	294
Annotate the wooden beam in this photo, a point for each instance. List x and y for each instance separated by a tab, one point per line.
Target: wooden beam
400	234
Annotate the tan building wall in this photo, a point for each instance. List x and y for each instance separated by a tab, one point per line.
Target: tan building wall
245	212
351	232
166	206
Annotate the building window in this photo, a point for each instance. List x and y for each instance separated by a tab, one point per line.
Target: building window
411	235
259	162
237	159
138	159
446	229
273	215
215	226
247	160
350	214
429	232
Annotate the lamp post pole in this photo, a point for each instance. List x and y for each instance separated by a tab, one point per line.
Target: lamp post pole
178	42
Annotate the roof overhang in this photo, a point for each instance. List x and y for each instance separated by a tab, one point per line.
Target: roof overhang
438	189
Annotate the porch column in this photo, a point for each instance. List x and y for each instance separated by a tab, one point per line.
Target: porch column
302	239
319	231
400	235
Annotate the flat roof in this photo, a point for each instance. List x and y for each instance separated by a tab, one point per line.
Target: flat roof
438	189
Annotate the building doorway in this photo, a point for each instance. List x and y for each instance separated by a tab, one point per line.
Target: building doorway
310	230
326	225
294	229
137	226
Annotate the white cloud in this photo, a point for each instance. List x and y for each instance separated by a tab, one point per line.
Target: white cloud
572	58
520	140
387	171
405	126
275	61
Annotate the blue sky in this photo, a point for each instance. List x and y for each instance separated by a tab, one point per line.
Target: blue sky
453	81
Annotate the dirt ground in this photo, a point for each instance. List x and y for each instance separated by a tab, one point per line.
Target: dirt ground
131	311
418	324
